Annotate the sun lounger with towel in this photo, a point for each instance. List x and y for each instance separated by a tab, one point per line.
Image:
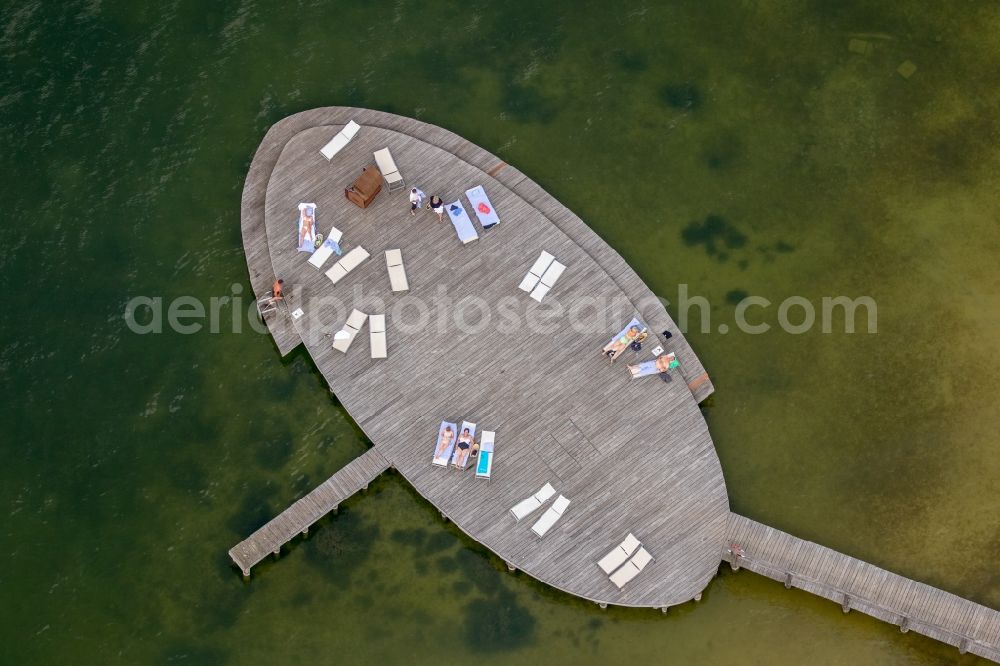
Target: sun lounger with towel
634	331
548	279
343	338
526	506
447	434
549	518
307	227
535	272
460	220
631	568
482	207
347	263
342	139
463	445
376	335
617	557
330	245
484	467
656	366
387	165
397	274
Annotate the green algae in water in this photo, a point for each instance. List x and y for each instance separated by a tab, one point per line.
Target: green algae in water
134	463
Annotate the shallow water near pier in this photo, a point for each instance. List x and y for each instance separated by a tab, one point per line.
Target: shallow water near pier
736	148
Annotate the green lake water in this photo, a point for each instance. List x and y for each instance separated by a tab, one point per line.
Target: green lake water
737	147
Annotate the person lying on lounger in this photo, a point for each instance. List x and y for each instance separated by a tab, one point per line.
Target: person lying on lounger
445	441
308	220
620	344
464	444
660	364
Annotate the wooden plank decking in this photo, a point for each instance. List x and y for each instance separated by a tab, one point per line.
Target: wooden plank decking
258	250
297	518
857	585
631	455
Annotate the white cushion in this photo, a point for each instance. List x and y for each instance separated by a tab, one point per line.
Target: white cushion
552	273
397	278
376	328
624	575
529	282
543	261
336	273
350	129
353	259
539	292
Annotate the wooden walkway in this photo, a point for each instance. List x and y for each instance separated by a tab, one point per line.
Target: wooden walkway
297	518
857	585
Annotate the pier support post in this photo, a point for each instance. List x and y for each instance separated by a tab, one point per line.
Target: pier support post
664	609
602	605
697	597
904	626
788	581
963	646
444	517
246	573
846	605
334	510
277	552
305	532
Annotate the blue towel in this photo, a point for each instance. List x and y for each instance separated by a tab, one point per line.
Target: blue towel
484	462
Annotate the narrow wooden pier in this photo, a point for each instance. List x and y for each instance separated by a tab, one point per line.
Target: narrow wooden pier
297	518
857	585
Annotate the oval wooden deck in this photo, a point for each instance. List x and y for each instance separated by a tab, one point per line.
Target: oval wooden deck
631	455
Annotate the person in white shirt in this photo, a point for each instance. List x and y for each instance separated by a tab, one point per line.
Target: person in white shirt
416	198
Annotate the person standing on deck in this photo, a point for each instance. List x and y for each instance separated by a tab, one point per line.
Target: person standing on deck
416	198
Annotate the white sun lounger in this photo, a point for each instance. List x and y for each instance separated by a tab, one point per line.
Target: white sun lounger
617	557
549	518
338	142
324	251
631	568
397	274
549	278
376	335
347	263
482	207
484	466
345	336
442	460
387	165
460	220
526	506
468	451
535	272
